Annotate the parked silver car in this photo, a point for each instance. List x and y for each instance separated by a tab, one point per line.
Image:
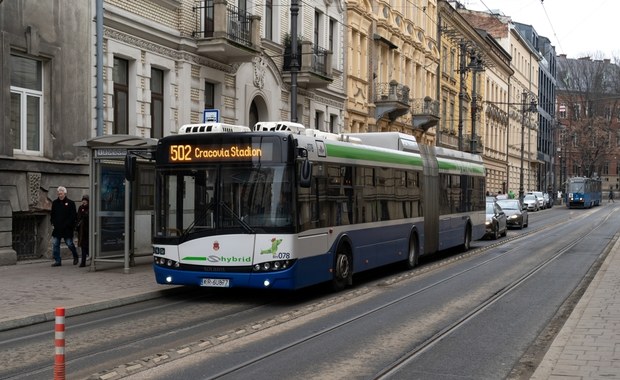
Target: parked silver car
542	204
517	215
531	202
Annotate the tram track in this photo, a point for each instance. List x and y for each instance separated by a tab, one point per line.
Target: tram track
394	367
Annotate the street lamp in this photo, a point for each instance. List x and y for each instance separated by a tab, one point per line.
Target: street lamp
524	109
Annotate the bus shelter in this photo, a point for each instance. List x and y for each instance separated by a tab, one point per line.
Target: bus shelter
113	217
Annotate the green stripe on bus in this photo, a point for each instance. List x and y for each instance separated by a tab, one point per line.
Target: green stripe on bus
352	152
194	258
460	166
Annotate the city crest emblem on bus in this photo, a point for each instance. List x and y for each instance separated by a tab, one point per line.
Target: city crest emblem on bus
216	245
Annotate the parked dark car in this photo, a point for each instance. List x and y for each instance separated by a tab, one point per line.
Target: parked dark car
496	221
516	215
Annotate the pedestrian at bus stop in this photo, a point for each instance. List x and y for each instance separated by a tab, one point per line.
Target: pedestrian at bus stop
63	219
82	229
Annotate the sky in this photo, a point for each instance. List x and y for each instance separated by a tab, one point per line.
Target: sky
576	28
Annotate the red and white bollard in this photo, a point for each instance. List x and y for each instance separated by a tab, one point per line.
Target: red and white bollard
59	343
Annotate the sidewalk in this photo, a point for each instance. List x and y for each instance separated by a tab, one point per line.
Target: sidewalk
31	291
587	347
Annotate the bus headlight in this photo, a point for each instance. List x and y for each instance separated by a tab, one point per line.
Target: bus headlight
162	261
272	266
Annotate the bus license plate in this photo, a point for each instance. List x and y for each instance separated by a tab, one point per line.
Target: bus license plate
215	282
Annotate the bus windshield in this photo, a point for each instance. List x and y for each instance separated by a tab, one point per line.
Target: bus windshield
217	199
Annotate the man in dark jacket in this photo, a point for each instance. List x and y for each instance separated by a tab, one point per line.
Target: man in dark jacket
63	219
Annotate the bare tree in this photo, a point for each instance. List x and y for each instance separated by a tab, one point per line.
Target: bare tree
589	89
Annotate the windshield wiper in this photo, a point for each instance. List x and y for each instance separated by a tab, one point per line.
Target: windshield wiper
201	216
242	222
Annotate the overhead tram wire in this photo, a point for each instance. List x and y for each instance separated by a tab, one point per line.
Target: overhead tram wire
551	25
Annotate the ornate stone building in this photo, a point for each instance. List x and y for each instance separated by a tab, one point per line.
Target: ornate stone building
164	63
475	73
45	107
522	98
392	62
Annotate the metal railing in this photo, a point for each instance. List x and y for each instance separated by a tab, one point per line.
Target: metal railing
392	91
238	23
425	106
318	63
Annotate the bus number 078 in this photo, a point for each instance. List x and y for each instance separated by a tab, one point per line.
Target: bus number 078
282	255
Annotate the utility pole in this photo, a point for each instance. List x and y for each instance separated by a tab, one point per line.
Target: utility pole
476	66
294	59
462	76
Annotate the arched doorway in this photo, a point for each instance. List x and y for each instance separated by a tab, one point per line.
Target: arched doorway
258	111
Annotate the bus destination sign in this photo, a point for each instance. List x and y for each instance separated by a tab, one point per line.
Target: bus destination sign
188	153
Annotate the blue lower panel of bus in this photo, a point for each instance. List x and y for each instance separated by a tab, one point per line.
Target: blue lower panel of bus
303	272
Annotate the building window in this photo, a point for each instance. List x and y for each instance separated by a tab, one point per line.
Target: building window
576	111
121	96
562	111
332	34
209	96
157	103
269	19
444	115
333	123
26	104
317	28
209	19
452	116
318	121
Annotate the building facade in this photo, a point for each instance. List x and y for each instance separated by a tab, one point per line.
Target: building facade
547	121
452	77
522	137
392	63
45	102
474	91
588	133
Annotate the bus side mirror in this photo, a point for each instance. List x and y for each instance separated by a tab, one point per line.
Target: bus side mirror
305	174
130	167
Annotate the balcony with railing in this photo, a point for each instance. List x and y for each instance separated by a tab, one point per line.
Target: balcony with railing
225	33
391	100
314	64
473	144
425	113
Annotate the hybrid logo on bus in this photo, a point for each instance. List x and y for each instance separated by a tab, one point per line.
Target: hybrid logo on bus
233	259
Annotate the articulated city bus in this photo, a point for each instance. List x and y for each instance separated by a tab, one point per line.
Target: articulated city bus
284	207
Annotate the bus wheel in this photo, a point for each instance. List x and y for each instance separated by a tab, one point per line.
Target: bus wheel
467	238
412	257
343	268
